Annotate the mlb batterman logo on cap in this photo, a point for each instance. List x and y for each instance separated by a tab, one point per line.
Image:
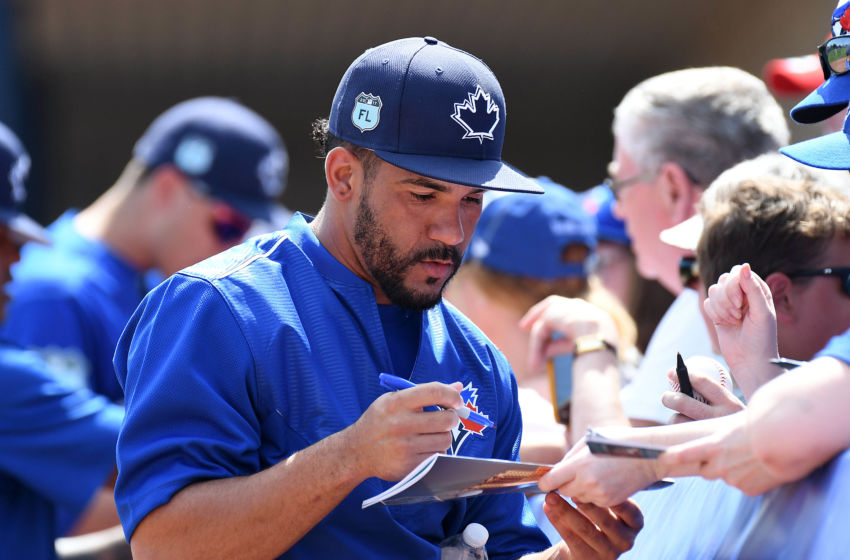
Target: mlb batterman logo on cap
14	168
431	109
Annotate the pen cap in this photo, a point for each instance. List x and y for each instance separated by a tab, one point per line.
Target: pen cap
707	366
475	535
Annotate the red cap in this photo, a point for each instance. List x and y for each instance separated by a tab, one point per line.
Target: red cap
793	77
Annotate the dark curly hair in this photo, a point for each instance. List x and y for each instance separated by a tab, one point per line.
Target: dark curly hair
325	142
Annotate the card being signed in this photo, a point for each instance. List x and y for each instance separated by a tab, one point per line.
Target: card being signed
601	445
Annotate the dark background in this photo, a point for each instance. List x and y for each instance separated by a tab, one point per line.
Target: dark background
90	75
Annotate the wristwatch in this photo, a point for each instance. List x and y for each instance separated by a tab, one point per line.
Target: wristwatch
591	343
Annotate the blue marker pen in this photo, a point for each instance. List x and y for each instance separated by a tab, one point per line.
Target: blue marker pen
395	383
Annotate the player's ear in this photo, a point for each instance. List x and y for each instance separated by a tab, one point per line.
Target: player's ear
165	184
343	173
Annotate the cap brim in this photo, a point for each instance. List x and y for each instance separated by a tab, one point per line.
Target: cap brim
486	174
24	227
684	235
831	151
827	100
793	76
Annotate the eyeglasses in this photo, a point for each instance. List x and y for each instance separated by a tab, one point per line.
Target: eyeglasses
689	271
617	185
843	272
229	224
834	58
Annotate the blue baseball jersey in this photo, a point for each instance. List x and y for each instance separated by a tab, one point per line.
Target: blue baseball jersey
57	446
236	363
70	301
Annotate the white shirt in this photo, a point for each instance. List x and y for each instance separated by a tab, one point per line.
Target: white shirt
681	330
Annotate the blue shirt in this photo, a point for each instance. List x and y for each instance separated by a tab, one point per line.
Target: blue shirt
70	301
236	363
838	347
57	446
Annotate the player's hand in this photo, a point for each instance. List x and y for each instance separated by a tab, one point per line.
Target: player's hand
740	306
569	317
726	454
719	401
394	434
604	481
594	532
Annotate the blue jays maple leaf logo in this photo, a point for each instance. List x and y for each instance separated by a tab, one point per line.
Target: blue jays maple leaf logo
466	427
478	115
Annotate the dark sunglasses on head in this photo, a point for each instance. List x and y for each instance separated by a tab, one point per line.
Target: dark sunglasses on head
689	271
834	58
229	224
843	272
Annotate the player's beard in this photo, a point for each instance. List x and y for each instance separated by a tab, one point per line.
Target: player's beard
388	266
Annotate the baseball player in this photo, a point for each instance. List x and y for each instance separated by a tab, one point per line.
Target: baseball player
256	424
198	176
57	443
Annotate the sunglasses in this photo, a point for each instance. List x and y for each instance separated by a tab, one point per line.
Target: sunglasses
689	271
229	224
843	272
834	57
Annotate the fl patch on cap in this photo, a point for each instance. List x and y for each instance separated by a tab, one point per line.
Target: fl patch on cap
431	109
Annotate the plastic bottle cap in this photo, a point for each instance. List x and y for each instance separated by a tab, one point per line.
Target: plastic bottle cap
475	535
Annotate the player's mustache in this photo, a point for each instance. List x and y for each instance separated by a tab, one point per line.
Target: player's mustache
439	253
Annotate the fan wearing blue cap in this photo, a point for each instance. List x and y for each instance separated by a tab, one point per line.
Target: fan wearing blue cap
252	379
50	432
199	175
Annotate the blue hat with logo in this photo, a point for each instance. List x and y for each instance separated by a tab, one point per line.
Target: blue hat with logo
431	109
833	95
228	151
831	151
14	169
599	203
525	235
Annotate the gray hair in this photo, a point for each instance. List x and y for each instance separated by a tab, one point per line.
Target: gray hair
704	119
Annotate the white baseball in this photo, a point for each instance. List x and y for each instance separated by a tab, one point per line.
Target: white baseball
708	367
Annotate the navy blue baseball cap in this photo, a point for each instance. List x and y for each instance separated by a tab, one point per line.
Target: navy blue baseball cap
599	203
14	169
431	109
525	235
833	95
831	151
229	151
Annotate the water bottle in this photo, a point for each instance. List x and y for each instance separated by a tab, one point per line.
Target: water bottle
468	545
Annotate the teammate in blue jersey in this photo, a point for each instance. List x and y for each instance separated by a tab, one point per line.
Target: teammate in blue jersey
57	443
198	176
256	424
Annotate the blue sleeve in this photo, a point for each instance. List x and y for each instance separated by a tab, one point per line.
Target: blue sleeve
190	396
57	440
507	517
53	323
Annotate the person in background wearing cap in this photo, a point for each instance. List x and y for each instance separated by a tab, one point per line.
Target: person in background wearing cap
256	424
524	249
57	442
673	134
199	175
